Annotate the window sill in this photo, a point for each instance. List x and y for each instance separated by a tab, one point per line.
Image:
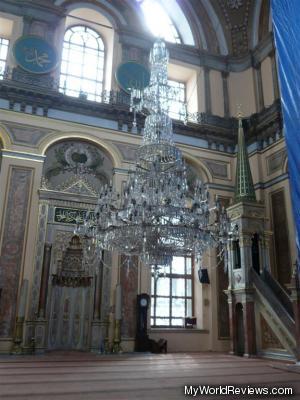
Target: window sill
177	330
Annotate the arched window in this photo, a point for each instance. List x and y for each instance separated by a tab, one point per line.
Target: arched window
158	21
82	66
165	19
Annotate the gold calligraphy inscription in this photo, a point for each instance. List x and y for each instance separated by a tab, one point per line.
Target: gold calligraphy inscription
70	215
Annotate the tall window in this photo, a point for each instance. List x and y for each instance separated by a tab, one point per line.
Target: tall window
177	105
158	21
172	294
82	66
4	43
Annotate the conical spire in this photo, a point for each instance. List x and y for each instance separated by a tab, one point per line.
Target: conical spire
244	189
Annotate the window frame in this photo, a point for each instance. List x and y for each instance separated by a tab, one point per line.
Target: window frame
63	90
186	276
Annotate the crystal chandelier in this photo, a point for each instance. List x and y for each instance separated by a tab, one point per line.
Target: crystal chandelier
156	216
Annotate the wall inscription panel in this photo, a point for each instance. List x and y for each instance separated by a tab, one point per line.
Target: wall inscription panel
14	229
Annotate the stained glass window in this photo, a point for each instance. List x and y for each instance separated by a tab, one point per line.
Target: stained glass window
82	65
172	294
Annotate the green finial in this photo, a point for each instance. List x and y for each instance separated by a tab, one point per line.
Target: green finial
244	189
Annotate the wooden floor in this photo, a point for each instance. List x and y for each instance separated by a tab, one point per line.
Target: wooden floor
85	376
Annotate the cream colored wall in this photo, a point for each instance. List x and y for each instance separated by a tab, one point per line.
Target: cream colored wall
267	81
241	91
216	89
185	340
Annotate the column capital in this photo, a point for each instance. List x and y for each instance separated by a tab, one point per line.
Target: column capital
272	53
257	65
224	74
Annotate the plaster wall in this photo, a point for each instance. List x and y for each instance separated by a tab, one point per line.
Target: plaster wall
267	81
241	91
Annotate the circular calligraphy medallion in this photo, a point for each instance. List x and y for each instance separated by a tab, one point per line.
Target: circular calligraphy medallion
35	55
132	75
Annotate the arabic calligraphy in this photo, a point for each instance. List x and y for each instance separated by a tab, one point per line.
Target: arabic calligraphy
70	215
33	56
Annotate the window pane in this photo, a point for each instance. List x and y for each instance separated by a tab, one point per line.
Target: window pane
162	307
77	38
3	55
152	307
188	263
162	321
178	287
163	286
74	69
188	287
177	322
152	285
2	68
178	308
178	265
3	52
189	309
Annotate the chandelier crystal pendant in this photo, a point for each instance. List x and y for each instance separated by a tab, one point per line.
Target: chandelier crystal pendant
156	216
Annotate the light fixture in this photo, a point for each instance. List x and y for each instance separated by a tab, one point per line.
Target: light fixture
157	216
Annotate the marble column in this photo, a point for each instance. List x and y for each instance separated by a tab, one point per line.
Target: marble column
245	243
225	75
295	297
98	289
44	281
18	339
259	94
265	252
232	321
249	327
